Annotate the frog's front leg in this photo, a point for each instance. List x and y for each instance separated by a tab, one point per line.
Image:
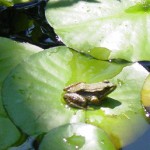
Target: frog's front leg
75	100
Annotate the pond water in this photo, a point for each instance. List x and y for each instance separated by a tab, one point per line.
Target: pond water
27	23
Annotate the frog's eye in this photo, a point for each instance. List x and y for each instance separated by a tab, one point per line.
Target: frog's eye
106	81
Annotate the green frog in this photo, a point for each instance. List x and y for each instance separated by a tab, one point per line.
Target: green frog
81	95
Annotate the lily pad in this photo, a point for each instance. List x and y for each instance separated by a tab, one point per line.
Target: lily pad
76	136
11	53
105	29
33	94
35	87
146	95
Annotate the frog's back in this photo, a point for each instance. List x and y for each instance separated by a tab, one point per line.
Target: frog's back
75	87
91	87
97	87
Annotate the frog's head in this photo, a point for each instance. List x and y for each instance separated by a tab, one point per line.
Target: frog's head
108	87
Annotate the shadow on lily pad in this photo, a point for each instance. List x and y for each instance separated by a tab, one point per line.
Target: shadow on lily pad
110	103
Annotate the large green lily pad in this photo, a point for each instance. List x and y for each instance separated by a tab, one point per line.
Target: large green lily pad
11	53
105	29
76	136
33	94
36	87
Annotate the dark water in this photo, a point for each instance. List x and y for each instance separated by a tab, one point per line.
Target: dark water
145	64
27	22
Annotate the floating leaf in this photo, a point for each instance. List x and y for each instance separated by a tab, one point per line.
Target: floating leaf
105	29
146	95
35	87
33	94
11	53
76	136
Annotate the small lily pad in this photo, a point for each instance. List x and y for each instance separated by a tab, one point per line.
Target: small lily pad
146	95
76	136
118	28
11	53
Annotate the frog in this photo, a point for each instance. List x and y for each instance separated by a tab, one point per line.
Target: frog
82	94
